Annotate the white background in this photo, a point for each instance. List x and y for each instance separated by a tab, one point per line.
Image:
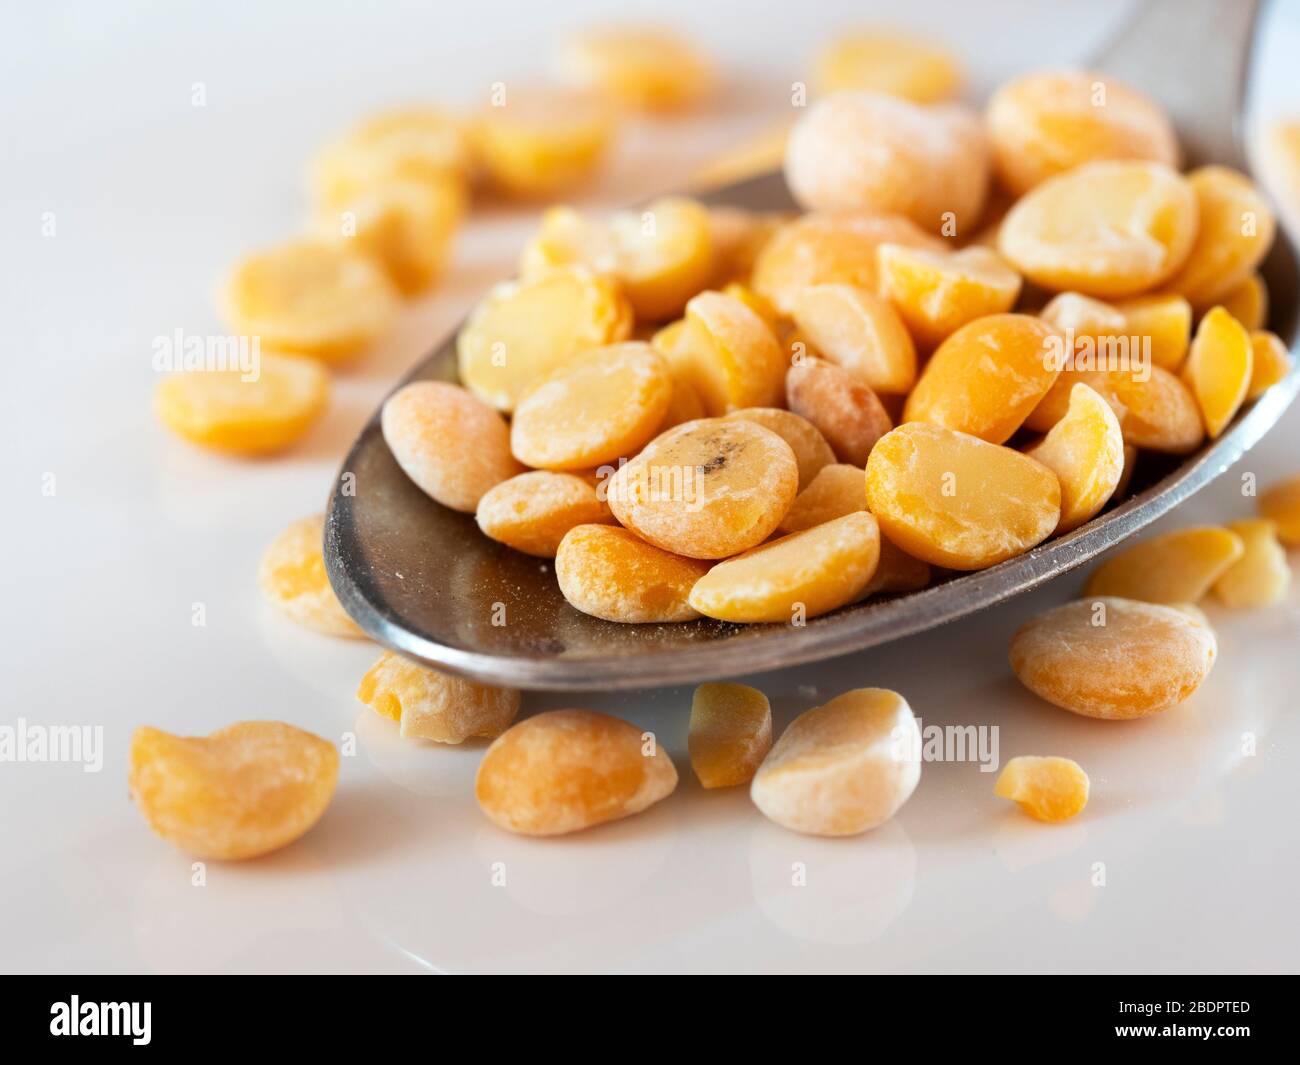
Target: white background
152	199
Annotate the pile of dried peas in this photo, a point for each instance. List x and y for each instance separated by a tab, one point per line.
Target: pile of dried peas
957	352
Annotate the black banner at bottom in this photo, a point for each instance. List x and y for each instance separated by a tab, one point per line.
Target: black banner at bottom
335	1014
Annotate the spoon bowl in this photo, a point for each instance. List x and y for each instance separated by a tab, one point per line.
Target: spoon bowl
424	581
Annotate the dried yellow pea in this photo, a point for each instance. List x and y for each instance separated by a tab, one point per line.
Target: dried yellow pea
1103	229
842	768
1261	576
405	225
532	511
1156	410
611	573
1048	789
845	410
602	406
452	445
1082	316
1235	229
661	255
420	144
760	305
730	733
1248	303
238	793
1085	450
987	377
1163	321
896	571
1270	362
1280	504
736	237
431	705
955	500
900	65
311	297
292	578
826	247
1218	368
265	410
707	489
727	354
567	770
524	331
1113	658
1048	122
938	292
650	68
534	141
1175	567
793	578
856	150
859	331
811	451
837	490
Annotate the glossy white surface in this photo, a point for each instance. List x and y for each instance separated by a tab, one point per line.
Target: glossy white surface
152	198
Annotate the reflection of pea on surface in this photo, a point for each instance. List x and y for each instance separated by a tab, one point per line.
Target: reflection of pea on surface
605	870
832	891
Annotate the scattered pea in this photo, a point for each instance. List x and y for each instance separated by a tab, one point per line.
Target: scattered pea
241	792
567	770
431	705
844	767
1049	789
730	733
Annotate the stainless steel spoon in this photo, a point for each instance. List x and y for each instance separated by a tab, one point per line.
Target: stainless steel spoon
424	581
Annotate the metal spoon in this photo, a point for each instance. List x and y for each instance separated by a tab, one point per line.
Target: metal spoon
424	581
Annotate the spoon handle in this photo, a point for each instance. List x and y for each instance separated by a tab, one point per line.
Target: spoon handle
1193	56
